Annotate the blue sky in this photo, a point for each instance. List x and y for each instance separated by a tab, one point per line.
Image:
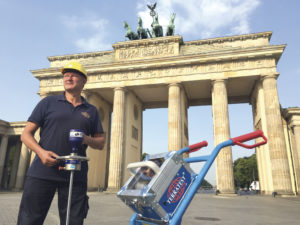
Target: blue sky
32	30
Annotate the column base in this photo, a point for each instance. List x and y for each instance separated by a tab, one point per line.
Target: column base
94	189
112	190
282	194
227	194
16	189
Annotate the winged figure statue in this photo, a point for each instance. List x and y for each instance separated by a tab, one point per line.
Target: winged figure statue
152	7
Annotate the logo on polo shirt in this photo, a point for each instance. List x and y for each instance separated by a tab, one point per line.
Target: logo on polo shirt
86	115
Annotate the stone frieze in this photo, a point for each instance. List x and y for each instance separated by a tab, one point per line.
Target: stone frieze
170	71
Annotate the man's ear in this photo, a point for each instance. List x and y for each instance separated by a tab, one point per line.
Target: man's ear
84	81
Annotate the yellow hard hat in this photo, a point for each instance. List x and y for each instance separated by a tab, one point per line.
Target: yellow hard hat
73	65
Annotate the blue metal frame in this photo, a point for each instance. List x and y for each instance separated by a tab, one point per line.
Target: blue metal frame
209	159
176	219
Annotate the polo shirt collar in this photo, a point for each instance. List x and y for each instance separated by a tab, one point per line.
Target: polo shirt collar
62	97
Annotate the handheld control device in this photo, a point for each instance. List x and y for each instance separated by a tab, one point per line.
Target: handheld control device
72	162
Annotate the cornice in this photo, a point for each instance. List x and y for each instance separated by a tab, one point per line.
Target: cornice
292	111
11	128
4	123
155	41
252	36
147	42
18	124
79	56
44	73
16	128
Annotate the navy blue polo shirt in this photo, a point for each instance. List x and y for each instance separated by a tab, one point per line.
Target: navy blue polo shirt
56	117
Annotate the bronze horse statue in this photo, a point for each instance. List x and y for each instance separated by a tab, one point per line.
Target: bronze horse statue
157	30
129	33
141	32
171	27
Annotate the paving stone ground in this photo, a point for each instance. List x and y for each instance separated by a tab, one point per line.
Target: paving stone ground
205	209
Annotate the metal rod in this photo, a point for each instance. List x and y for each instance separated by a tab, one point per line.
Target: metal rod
69	197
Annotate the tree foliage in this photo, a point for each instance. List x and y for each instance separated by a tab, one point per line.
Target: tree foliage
245	171
143	156
205	184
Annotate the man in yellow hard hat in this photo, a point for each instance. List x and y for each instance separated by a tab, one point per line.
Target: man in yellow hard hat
56	116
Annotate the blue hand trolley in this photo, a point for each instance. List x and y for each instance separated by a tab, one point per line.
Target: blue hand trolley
164	197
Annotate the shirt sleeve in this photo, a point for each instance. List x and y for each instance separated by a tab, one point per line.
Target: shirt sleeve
38	114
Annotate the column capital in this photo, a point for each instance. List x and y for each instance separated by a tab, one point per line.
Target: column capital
176	84
221	80
253	95
269	76
87	94
120	89
218	81
294	123
4	135
43	94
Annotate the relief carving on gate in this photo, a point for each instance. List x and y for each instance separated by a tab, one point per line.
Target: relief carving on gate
144	52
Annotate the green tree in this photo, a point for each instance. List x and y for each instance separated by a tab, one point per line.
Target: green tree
205	184
245	171
143	156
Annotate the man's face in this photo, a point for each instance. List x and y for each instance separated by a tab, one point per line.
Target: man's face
73	81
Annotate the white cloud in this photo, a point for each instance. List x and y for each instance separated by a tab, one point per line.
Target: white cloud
204	18
94	43
87	32
194	18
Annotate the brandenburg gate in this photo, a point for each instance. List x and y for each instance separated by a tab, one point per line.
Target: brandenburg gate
166	72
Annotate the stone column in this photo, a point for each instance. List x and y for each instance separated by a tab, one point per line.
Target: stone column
174	118
22	168
3	150
117	141
98	165
224	164
296	130
262	152
297	139
14	169
276	139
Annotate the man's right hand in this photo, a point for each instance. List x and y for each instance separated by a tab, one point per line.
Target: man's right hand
48	158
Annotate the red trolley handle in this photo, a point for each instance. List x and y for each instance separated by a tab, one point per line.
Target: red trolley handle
197	146
247	137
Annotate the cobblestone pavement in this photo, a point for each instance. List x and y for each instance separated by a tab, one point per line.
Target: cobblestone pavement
206	209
